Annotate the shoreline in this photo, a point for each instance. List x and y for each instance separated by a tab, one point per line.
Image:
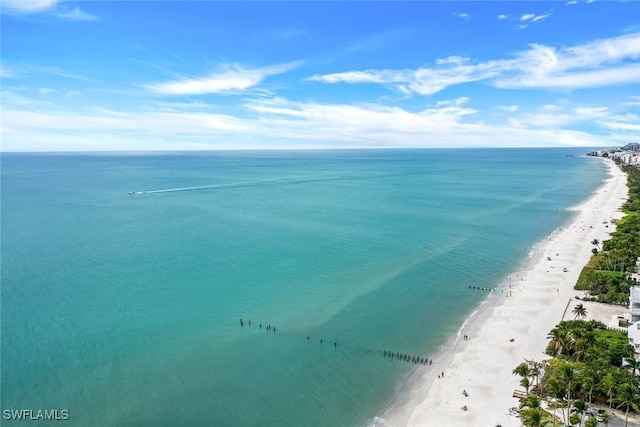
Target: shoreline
535	298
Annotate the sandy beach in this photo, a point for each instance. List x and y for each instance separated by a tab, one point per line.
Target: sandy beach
509	327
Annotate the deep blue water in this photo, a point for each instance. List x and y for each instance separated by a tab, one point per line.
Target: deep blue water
124	309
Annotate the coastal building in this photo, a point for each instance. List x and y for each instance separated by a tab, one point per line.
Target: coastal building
634	303
628	154
633	332
634	338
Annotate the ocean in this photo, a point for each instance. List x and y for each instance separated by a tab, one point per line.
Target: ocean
125	276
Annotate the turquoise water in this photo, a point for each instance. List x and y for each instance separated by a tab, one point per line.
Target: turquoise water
124	309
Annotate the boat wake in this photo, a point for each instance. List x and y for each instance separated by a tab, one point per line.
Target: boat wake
209	187
287	180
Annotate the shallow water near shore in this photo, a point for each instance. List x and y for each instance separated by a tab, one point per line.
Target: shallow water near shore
125	309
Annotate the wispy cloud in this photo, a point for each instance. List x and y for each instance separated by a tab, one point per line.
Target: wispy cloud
76	15
558	116
503	16
7	73
531	18
622	123
464	16
595	64
27	6
635	100
507	108
229	79
54	7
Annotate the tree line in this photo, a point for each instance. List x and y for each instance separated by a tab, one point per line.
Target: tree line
607	276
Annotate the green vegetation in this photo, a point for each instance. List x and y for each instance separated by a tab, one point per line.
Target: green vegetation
607	276
586	363
586	366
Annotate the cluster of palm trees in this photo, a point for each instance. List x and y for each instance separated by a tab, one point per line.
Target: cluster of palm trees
586	364
564	386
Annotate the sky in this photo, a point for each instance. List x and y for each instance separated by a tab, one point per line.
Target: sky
207	75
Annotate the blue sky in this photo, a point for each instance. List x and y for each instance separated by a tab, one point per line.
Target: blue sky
160	75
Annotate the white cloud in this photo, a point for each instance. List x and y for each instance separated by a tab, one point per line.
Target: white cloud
27	6
553	117
541	17
424	81
453	102
452	60
622	123
7	73
571	3
551	107
528	18
76	15
508	108
44	91
502	16
231	78
635	100
23	7
596	64
367	76
276	122
464	16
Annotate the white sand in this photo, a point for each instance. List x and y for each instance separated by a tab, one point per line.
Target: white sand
483	364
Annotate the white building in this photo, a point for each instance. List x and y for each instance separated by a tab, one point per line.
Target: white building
634	303
633	332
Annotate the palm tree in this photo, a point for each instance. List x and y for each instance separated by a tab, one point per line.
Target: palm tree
537	369
532	417
531	411
608	384
587	387
560	341
558	392
596	243
568	379
627	396
580	311
524	371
